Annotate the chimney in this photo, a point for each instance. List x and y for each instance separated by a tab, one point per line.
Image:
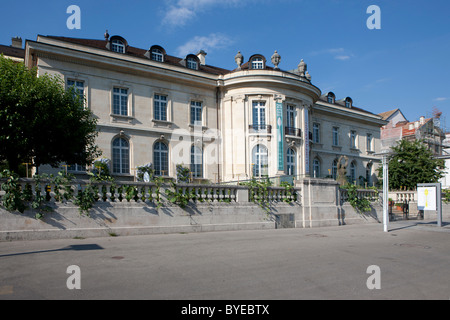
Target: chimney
422	120
416	124
16	42
202	57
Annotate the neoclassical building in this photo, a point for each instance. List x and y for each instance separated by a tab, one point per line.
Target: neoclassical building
225	125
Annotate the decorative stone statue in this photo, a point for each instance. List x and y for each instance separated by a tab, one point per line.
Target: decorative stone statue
239	58
302	67
308	76
342	170
276	58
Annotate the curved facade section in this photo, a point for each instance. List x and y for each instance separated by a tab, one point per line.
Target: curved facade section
265	110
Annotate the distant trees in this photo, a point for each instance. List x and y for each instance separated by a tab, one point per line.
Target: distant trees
412	163
41	121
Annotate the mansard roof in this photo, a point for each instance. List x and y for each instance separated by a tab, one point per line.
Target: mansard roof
137	52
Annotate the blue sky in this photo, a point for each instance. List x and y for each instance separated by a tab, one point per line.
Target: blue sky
405	64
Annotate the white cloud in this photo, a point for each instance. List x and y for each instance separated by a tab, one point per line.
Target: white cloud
180	12
208	43
338	53
178	16
441	99
342	57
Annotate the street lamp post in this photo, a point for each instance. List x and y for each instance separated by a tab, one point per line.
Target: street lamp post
384	154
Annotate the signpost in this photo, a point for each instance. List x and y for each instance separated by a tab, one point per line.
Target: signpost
429	198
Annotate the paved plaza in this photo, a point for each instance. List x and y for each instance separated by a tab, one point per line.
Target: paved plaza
413	260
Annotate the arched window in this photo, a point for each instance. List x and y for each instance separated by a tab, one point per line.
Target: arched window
260	161
334	169
121	156
117	46
316	168
291	162
348	102
161	158
352	172
196	162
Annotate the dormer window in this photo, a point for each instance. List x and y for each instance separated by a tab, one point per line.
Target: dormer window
157	55
257	63
192	62
117	46
331	97
348	103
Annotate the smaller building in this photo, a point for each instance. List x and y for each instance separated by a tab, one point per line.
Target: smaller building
426	129
15	51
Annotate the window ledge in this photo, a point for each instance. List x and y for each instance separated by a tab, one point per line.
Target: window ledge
115	117
162	123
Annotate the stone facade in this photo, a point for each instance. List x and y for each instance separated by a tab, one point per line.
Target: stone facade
226	125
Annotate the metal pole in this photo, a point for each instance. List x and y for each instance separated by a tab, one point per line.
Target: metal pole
385	193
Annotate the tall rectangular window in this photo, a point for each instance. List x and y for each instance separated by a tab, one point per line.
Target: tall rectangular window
290	113
160	107
353	139
369	142
335	136
196	113
316	133
259	115
120	101
78	85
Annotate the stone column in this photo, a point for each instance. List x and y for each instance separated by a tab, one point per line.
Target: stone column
320	203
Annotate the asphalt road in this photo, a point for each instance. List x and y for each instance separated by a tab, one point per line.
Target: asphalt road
287	264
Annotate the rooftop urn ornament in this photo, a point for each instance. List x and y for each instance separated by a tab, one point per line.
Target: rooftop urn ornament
308	76
302	67
106	35
276	58
239	58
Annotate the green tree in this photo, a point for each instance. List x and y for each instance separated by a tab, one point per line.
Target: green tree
412	163
41	121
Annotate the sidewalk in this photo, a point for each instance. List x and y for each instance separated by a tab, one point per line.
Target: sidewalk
284	264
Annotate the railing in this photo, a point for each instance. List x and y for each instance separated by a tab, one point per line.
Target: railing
369	194
264	128
275	194
291	131
146	192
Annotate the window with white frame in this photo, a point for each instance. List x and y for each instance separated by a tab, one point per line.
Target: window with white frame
117	46
334	167
316	168
353	139
192	63
316	132
160	107
161	158
290	113
157	55
78	86
291	162
369	142
260	161
335	136
120	101
196	162
259	115
196	113
257	63
121	156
